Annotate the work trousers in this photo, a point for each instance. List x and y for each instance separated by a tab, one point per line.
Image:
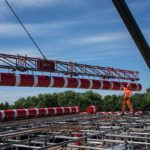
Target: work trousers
127	101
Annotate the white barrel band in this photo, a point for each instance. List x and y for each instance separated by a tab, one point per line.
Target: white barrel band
101	84
77	110
65	82
3	114
121	87
46	111
94	109
17	80
37	112
138	87
63	110
35	81
111	85
91	84
70	109
79	83
51	82
55	110
27	112
15	113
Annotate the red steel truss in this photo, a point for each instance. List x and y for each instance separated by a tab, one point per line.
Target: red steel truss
25	63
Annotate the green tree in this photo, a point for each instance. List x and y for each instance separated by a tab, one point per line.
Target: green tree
112	103
91	98
146	101
138	101
1	106
141	101
6	106
19	103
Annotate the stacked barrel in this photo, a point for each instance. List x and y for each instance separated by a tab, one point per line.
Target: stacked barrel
92	109
6	115
24	80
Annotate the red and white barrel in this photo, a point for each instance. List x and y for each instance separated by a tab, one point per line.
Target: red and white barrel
91	109
36	112
2	115
10	79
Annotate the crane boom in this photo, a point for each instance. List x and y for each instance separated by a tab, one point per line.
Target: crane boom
24	63
134	29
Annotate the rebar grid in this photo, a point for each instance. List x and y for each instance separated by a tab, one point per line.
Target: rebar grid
95	132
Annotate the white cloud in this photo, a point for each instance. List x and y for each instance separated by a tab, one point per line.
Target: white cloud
39	29
36	3
102	38
10	29
20	4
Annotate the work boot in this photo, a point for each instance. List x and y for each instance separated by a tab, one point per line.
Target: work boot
132	112
122	114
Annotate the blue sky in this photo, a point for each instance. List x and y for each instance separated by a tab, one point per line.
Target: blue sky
84	31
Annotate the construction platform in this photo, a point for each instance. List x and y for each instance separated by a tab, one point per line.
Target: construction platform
77	132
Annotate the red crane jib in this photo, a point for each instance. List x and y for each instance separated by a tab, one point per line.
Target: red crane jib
68	69
24	80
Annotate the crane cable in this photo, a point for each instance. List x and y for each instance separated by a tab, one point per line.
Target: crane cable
23	26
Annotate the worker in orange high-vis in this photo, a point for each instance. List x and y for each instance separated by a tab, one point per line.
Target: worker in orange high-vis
126	99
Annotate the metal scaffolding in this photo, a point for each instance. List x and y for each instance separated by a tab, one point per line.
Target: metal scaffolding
73	132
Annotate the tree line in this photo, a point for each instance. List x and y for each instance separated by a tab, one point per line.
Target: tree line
140	101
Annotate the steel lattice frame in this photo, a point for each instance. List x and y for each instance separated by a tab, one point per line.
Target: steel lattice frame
24	63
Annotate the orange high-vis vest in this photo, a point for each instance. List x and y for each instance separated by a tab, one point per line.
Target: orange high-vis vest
127	93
